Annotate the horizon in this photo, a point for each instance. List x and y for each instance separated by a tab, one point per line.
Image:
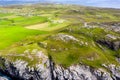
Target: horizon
94	3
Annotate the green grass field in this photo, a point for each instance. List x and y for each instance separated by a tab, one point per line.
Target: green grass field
14	34
13	29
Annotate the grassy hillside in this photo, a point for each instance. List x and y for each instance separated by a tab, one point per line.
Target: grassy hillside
69	34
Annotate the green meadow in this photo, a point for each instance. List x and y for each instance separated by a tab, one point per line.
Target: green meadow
13	29
14	34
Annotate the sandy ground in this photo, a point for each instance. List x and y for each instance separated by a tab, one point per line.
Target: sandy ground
38	26
11	16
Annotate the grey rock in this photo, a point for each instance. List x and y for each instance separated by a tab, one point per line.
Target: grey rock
65	37
3	78
47	70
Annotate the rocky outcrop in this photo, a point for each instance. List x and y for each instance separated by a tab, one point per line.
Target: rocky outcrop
47	70
113	26
114	45
111	41
64	37
115	70
80	72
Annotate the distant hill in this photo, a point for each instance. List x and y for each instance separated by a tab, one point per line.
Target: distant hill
12	2
95	3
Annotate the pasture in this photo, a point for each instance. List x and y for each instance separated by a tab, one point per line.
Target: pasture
15	28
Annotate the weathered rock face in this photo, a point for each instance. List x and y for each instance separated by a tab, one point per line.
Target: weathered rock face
47	70
112	42
80	72
65	37
114	45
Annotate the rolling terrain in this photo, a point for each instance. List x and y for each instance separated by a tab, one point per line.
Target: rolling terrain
59	42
